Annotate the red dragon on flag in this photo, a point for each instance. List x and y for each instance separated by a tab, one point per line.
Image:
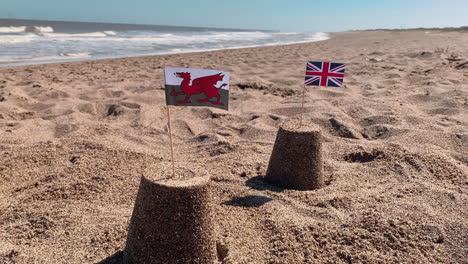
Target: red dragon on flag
197	87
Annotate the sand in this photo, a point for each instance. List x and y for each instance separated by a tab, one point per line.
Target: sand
76	137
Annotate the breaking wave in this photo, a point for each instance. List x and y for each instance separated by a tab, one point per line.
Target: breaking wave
75	55
12	29
75	36
36	44
27	29
41	59
38	30
110	33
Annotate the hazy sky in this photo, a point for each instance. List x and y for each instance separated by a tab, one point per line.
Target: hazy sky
298	15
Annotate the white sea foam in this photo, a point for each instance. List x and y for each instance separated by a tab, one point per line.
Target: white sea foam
75	36
319	36
75	55
209	37
175	39
14	39
44	59
44	45
38	30
30	29
36	59
12	29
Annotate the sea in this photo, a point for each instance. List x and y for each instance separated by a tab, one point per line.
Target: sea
24	42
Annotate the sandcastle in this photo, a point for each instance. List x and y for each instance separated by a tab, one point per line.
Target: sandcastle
172	222
296	160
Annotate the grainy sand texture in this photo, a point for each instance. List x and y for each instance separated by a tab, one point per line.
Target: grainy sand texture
76	137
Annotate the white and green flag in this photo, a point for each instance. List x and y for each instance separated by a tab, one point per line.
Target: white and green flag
197	87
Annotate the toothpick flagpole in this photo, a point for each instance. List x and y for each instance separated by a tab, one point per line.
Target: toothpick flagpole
170	139
170	127
302	108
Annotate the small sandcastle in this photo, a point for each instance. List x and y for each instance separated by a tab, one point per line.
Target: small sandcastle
172	220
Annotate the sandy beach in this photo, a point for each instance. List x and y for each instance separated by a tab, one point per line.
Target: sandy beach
75	138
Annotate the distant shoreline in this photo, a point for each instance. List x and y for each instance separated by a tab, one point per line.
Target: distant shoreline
6	65
24	42
445	29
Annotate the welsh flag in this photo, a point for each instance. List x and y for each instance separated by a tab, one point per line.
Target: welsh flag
197	87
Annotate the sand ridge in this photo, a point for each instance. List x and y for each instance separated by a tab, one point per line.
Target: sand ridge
76	138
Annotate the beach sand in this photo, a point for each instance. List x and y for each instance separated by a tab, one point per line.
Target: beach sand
75	138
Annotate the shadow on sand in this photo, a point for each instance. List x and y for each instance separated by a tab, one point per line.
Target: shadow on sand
259	183
117	258
248	201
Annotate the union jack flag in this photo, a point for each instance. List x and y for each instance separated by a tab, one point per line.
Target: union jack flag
324	73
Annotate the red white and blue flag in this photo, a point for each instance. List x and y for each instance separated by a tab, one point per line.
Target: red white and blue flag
324	73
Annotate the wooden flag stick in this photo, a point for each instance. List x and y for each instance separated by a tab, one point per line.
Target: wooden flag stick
170	139
302	108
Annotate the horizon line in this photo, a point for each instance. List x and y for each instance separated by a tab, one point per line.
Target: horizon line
148	25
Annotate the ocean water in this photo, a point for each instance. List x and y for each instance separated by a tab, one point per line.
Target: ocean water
30	42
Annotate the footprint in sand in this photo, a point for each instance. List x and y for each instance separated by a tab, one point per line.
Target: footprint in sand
121	108
263	120
87	108
62	130
342	129
131	105
268	88
380	119
292	111
381	132
443	111
391	82
392	76
56	95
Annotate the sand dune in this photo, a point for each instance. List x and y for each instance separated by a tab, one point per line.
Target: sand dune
75	138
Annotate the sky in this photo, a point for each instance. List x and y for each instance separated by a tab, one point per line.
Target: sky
284	15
